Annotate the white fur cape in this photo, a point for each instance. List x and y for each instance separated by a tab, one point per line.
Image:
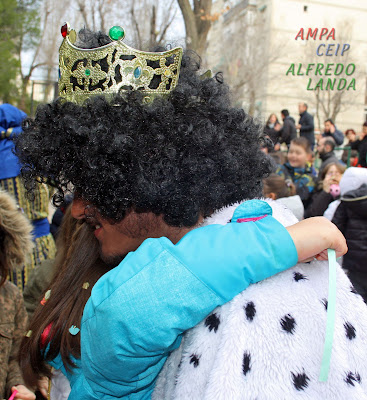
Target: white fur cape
267	343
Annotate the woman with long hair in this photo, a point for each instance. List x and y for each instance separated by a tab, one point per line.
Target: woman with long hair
77	268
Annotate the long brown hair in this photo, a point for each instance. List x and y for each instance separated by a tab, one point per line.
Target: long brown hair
79	268
15	236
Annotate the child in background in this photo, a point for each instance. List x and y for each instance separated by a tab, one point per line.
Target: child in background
284	191
15	246
327	190
351	218
298	169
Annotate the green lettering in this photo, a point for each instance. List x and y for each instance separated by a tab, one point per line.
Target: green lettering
290	69
336	69
328	68
330	85
347	69
299	70
309	82
319	85
342	80
309	66
352	84
319	67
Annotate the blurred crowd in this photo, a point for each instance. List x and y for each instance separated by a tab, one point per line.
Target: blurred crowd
322	174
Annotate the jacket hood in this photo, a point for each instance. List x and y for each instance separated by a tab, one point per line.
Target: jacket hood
16	231
290	118
352	179
326	156
10	116
356	201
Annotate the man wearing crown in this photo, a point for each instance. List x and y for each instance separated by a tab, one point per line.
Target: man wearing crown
166	154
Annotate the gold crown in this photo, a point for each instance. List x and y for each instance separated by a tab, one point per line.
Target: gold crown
113	68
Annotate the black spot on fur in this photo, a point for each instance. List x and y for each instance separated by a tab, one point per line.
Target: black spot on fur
351	378
246	363
194	359
353	289
297	276
350	331
250	310
212	322
300	381
288	323
325	303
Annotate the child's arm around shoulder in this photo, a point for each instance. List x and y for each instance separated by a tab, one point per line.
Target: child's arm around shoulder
139	309
313	236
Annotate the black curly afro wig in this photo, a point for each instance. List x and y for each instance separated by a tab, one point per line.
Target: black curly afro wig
182	156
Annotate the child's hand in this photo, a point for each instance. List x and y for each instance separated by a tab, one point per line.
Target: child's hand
23	393
42	386
313	236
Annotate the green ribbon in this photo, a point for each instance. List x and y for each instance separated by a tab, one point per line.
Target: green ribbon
330	319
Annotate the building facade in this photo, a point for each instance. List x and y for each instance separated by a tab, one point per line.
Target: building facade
271	64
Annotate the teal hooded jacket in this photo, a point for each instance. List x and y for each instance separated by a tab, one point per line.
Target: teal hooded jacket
138	311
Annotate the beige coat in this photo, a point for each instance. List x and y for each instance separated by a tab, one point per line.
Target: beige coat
13	324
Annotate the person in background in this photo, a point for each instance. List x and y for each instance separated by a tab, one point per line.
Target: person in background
350	137
325	149
306	124
288	131
272	130
351	218
36	209
327	189
331	131
15	246
297	169
283	191
361	146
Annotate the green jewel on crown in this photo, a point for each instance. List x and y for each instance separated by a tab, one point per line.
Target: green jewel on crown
115	68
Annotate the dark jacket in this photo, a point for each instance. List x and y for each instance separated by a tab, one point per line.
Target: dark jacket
272	133
337	136
351	218
319	203
326	159
361	147
307	127
288	132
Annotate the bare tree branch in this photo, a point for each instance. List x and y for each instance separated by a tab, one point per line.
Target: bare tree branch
83	12
136	25
166	25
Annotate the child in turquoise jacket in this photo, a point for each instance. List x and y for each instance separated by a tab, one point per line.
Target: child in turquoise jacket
138	311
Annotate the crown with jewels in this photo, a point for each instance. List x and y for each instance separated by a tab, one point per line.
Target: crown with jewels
113	68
